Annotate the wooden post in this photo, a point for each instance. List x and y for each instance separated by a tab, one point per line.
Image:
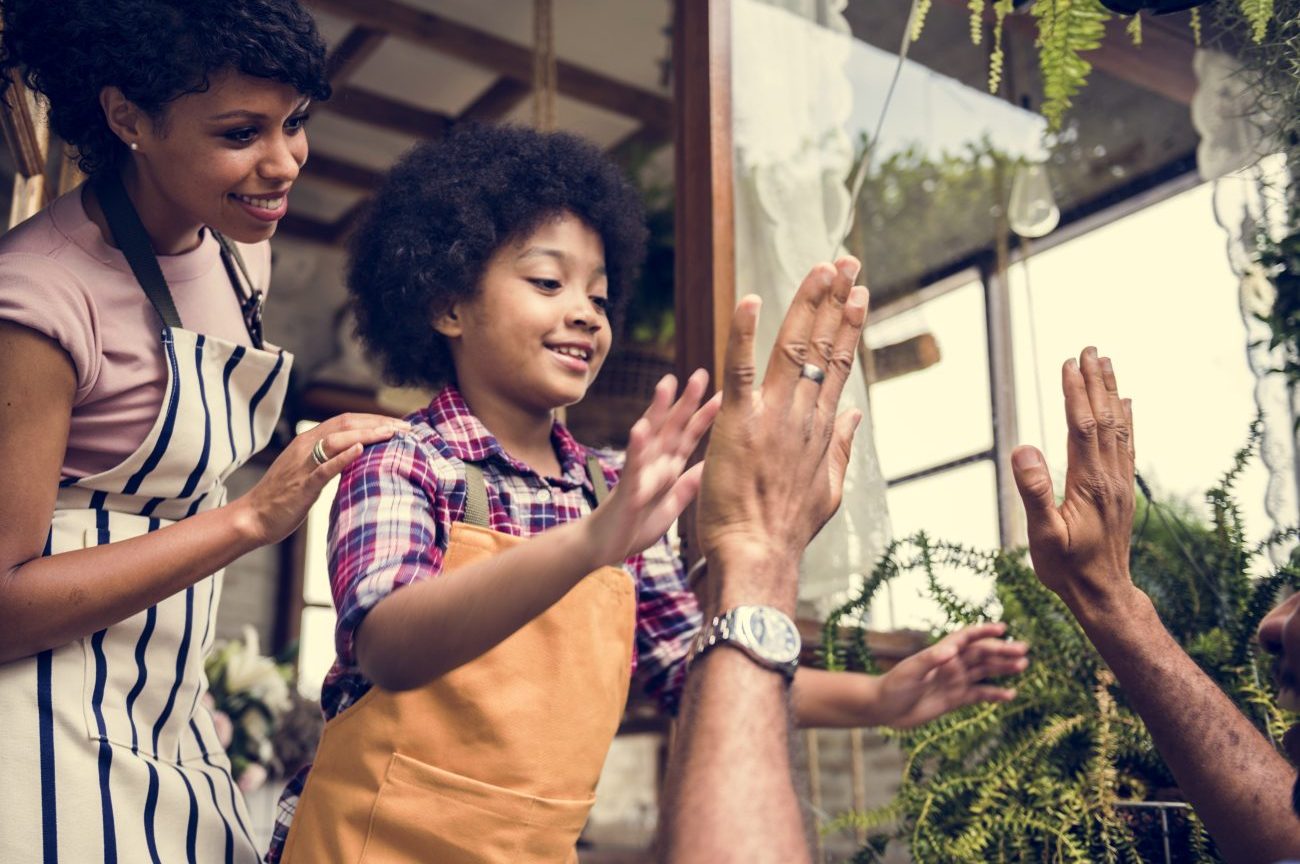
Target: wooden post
858	767
27	133
704	294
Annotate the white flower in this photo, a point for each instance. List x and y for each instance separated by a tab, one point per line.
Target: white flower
249	672
252	778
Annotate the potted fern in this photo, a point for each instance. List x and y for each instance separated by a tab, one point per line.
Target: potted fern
1067	772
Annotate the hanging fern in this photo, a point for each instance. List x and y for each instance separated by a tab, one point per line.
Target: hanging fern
1195	22
1258	13
1066	29
1001	9
1134	29
917	23
1045	777
976	20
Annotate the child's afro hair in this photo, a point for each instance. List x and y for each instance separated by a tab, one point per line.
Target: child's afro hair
449	205
153	51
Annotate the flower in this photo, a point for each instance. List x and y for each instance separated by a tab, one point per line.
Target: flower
225	729
252	778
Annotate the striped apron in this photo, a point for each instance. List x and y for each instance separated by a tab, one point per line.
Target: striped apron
108	753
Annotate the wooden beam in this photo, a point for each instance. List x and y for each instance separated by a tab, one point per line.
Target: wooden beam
307	228
367	107
900	358
351	53
343	226
500	55
331	170
705	293
495	102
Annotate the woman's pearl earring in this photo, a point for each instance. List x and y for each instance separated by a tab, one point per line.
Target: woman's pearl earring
134	145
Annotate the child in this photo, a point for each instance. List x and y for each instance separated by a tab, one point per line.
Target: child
480	675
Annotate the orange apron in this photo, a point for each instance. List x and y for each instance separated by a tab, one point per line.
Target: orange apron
495	762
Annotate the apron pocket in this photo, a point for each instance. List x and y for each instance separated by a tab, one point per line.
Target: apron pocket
424	813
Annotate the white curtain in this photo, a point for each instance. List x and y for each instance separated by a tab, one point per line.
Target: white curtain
1250	196
791	102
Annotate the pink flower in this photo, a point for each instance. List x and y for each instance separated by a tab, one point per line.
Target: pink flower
225	729
252	778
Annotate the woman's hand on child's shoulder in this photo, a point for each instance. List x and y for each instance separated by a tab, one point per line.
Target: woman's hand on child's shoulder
655	486
279	502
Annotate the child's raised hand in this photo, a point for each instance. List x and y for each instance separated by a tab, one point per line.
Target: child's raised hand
653	490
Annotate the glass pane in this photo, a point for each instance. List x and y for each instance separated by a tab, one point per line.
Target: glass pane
929	417
315	649
1154	292
316	579
957	506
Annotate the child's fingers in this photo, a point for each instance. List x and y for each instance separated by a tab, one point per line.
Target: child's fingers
700	422
659	405
680	414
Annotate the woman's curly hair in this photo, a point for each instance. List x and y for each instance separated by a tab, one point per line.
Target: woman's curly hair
448	206
153	51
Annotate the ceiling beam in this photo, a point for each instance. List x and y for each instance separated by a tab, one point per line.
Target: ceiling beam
368	107
500	55
341	173
351	52
496	102
307	228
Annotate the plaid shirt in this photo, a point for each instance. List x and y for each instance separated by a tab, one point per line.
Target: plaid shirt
392	518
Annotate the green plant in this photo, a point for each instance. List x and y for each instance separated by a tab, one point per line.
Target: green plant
1068	29
1043	778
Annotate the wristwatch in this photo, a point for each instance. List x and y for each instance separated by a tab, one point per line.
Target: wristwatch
766	634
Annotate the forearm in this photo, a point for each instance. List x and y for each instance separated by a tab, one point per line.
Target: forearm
730	771
1237	781
428	629
729	793
835	700
49	601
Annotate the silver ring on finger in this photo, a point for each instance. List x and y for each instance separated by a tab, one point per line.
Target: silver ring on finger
813	373
318	454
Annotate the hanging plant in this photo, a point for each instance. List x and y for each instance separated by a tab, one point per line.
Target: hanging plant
1068	29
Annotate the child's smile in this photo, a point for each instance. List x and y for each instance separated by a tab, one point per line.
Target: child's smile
536	333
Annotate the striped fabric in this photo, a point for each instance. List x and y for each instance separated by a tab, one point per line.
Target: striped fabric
120	761
392	518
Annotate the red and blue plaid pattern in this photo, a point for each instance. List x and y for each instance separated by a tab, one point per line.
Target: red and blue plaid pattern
392	518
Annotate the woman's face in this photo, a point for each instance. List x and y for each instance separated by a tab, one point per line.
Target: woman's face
225	158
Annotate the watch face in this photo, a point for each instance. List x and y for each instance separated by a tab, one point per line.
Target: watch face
772	634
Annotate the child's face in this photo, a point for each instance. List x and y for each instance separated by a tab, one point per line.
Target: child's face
535	334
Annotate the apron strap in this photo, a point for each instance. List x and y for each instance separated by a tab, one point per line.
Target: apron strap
133	240
596	475
250	298
476	502
130	235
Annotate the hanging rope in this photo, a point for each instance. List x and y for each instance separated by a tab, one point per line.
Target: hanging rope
544	74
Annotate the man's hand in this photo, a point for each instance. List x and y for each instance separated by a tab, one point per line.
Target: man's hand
774	469
1080	548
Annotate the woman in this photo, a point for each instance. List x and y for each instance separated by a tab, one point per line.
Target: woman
133	381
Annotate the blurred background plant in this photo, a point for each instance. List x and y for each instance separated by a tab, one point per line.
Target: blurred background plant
250	696
1051	776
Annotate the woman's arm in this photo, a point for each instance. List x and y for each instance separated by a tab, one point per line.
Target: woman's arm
427	629
48	601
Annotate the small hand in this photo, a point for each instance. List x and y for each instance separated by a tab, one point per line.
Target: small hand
278	504
652	490
948	675
1080	548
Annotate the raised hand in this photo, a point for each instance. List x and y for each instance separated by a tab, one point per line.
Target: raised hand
1080	548
652	491
948	675
278	504
774	469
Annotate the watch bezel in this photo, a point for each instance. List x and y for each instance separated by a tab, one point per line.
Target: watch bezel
744	617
